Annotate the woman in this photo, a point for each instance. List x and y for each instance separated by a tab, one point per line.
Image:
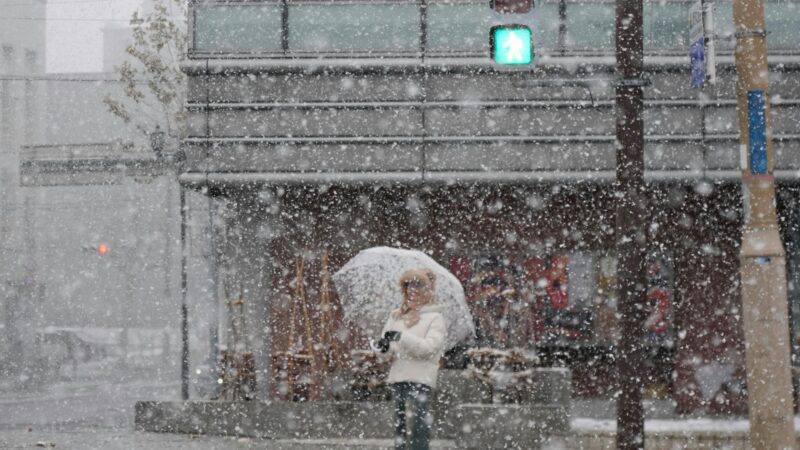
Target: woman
414	335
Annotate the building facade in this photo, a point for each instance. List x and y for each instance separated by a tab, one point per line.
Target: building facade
22	62
75	176
326	128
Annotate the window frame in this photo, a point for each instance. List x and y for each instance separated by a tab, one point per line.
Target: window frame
725	44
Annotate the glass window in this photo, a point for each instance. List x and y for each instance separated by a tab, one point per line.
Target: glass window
666	25
590	26
465	26
250	27
548	24
31	58
453	27
9	62
723	25
363	27
782	21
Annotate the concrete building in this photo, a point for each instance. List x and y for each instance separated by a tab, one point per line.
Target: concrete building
78	177
22	62
332	127
116	39
103	204
23	57
98	181
117	36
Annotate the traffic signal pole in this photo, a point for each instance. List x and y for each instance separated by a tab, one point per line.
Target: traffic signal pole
631	215
762	257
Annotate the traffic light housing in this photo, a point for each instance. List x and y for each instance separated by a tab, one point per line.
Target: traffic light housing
511	44
512	6
101	249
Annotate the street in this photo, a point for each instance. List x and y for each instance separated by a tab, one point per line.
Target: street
98	414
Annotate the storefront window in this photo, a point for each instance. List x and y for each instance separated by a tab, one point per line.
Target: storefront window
332	27
248	27
557	299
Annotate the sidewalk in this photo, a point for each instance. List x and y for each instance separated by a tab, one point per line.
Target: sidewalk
133	440
697	437
586	434
86	415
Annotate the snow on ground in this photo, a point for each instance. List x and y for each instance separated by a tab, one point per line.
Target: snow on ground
736	425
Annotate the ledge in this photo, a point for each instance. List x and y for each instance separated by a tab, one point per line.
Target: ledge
196	179
225	64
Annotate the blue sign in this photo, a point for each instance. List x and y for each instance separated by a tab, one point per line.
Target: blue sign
697	58
757	130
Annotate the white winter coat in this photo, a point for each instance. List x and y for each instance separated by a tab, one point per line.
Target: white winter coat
417	353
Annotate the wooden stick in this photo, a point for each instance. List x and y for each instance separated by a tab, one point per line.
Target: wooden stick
298	286
326	312
309	344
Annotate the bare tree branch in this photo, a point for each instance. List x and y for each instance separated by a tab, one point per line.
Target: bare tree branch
153	86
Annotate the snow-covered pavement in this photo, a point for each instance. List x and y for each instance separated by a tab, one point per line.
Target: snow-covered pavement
70	406
99	415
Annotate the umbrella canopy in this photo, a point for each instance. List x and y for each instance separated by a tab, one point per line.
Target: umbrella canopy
369	289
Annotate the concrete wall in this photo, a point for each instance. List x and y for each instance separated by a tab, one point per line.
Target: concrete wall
22	62
286	117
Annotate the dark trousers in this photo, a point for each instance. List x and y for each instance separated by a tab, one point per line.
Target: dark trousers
418	396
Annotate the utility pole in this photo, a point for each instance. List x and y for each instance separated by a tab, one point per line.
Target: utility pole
184	306
631	215
762	258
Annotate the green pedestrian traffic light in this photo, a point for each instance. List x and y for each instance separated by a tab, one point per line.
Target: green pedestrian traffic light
511	44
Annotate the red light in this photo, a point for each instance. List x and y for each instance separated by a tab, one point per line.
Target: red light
102	249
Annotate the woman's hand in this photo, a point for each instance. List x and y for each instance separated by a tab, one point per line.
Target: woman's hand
388	337
392	336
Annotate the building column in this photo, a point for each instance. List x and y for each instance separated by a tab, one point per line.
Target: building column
247	272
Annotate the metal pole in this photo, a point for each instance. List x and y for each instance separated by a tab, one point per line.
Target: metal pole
125	269
630	223
168	237
184	308
711	39
562	26
762	258
213	324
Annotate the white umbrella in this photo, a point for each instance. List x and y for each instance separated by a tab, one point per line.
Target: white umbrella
369	289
